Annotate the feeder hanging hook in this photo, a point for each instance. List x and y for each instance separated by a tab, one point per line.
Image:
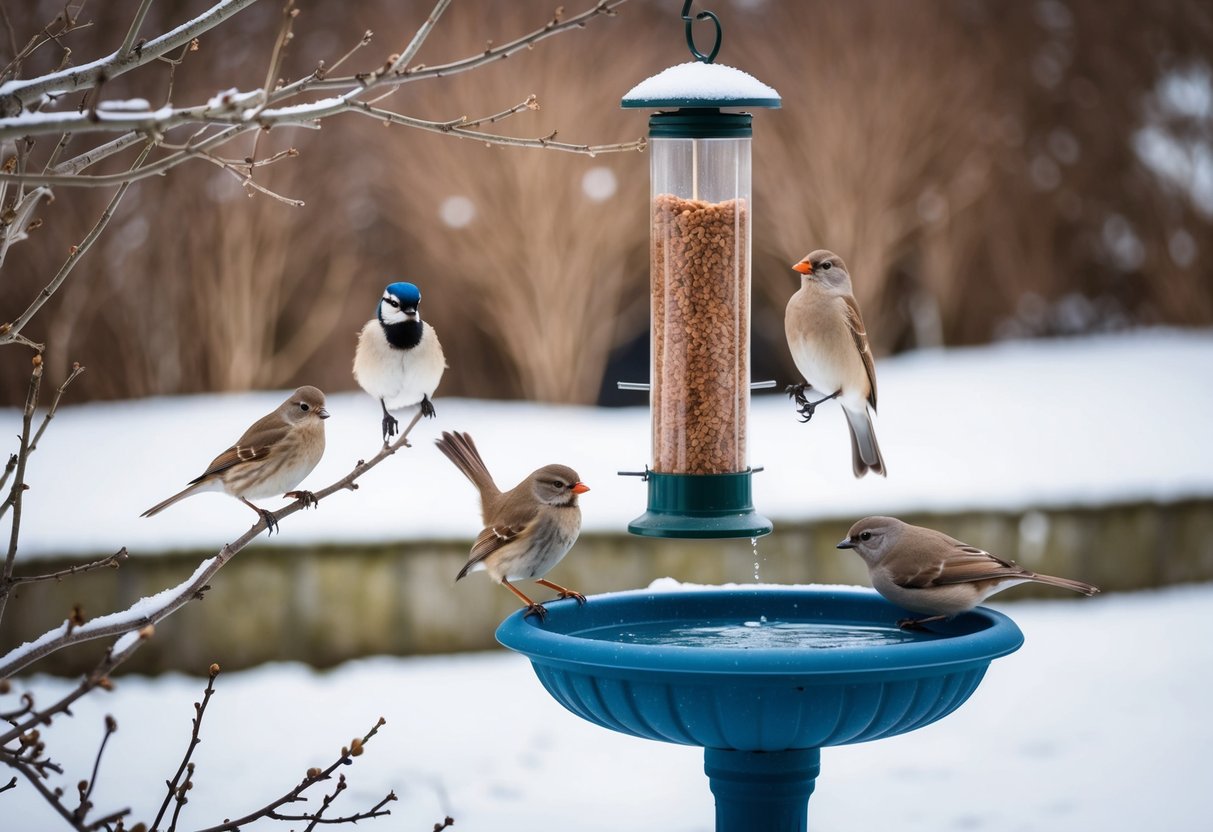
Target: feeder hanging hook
689	22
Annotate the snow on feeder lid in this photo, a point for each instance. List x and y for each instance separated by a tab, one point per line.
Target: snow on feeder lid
699	390
699	84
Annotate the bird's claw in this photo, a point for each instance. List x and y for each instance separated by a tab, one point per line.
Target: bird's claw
271	525
804	407
309	498
568	593
911	623
390	427
427	408
536	609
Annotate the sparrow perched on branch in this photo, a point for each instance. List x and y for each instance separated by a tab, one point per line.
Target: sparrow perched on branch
528	529
272	457
399	360
928	572
830	347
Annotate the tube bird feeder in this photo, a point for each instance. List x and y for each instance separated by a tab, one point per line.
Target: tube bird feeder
701	217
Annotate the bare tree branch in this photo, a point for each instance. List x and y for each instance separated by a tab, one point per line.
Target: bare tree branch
27	418
261	106
149	611
423	32
111	561
15	223
97	678
19	95
128	42
9	332
173	785
313	776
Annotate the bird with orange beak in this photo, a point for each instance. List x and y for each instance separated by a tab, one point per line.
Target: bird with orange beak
528	529
829	344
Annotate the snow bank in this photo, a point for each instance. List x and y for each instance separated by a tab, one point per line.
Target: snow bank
1015	425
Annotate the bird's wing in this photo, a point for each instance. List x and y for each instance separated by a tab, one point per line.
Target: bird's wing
969	564
860	335
493	538
256	443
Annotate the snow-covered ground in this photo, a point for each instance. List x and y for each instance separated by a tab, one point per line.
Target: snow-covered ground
1059	422
1099	723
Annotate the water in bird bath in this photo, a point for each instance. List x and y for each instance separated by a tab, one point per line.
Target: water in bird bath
755	634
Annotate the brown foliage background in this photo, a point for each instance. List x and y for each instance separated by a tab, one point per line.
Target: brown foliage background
980	165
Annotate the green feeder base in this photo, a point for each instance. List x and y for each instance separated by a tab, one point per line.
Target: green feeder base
700	506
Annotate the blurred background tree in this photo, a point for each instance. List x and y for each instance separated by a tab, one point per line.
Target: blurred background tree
988	170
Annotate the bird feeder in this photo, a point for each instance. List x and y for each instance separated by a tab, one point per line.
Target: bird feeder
701	219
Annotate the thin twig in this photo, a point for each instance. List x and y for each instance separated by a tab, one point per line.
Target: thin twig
313	776
27	418
98	678
422	33
199	711
128	43
60	146
33	445
111	561
9	332
85	803
246	179
31	774
77	369
94	155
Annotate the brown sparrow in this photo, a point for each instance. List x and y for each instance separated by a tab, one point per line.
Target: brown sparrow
926	571
528	529
272	457
830	347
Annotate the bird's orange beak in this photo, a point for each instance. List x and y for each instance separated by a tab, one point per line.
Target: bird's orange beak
580	488
803	267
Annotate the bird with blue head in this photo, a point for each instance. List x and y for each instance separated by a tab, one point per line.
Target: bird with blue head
399	360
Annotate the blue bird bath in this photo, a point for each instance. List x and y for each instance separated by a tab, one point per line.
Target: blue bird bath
761	678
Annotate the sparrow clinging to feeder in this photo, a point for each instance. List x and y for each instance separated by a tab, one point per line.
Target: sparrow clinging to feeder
829	344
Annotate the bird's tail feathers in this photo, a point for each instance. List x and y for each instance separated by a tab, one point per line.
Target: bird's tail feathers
865	452
191	489
461	450
1065	583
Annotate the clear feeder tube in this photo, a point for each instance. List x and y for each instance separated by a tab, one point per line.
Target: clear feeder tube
700	280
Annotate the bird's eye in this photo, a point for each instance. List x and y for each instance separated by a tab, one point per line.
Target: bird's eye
865	536
392	303
558	483
826	266
304	407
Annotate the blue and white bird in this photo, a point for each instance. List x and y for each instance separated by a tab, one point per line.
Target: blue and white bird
399	360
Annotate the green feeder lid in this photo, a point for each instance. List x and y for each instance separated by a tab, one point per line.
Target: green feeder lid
701	85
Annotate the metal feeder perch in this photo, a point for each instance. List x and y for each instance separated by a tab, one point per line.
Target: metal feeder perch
699	389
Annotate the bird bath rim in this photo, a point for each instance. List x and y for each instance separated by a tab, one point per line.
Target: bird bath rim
971	639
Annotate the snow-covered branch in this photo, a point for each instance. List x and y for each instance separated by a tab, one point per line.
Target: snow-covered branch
269	108
146	612
18	96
